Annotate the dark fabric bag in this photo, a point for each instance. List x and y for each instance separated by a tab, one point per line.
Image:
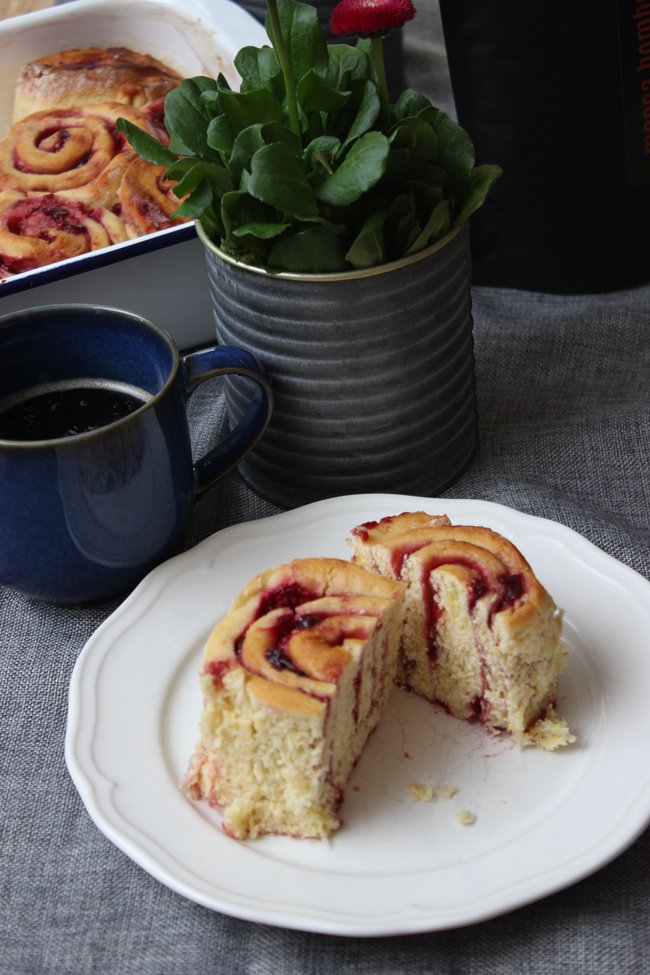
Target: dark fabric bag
558	94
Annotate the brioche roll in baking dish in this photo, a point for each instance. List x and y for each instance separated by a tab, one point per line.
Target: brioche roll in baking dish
295	677
40	230
79	76
74	152
147	201
64	146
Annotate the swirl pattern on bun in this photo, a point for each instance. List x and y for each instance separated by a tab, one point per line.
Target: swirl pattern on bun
40	230
74	152
295	678
147	201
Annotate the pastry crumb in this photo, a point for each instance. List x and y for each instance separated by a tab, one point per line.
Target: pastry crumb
465	817
422	793
549	733
448	791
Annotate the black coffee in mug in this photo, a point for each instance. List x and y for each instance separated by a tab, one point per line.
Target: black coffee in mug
97	476
67	408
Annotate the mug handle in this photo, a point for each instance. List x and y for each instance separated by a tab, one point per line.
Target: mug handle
225	360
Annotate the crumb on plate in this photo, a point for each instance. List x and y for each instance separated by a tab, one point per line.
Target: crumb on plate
465	817
422	793
447	791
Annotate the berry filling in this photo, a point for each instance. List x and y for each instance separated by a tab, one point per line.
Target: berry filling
278	653
287	594
39	217
510	587
476	589
52	140
280	661
217	670
512	590
363	531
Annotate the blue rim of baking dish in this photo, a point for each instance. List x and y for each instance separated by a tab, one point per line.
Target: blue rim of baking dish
112	254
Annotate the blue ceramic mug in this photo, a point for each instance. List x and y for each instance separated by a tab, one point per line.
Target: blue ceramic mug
96	471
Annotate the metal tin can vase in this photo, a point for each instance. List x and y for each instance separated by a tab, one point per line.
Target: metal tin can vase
372	372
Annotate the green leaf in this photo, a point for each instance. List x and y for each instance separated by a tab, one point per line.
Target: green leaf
245	146
410	103
179	168
417	136
250	140
320	153
212	225
191	179
403	220
251	108
197	203
259	68
273	132
265	231
250	227
314	250
367	109
364	47
436	226
455	155
361	169
482	179
426	195
367	249
145	145
278	178
178	147
315	95
303	37
220	135
345	64
219	178
186	117
239	208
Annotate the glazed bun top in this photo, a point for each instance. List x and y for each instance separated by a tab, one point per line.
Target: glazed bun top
80	76
296	627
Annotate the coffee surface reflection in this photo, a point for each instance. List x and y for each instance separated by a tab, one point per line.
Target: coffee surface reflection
67	408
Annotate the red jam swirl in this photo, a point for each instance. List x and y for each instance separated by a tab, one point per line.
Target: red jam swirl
217	669
363	531
286	595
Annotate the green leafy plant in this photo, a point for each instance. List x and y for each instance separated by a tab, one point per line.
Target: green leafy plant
308	167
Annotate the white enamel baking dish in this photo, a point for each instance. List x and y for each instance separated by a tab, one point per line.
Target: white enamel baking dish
162	275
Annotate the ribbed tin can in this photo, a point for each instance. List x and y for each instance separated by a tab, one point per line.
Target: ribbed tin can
372	372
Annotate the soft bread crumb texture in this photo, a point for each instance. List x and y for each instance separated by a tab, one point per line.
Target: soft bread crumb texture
277	746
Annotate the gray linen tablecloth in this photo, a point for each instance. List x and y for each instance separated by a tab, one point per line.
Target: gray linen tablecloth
564	400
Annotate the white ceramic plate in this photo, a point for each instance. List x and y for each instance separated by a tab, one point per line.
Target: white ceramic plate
543	820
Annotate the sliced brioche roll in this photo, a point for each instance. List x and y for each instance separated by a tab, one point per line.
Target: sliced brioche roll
295	678
481	635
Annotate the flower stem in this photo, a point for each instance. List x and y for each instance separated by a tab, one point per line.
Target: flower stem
285	65
382	87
